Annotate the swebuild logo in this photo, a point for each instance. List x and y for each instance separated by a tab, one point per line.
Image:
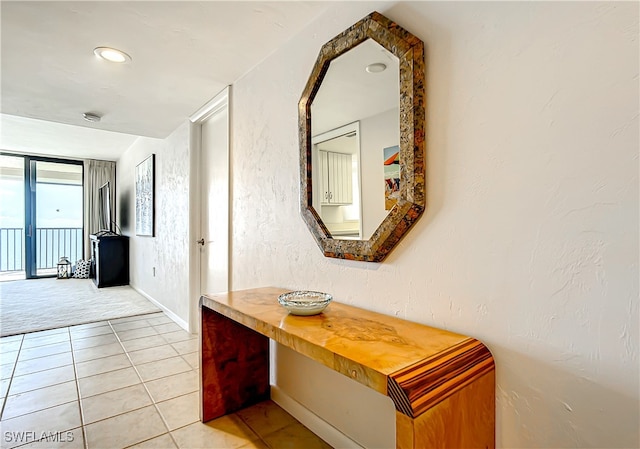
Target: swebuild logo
32	436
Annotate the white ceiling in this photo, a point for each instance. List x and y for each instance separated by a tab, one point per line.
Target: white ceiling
183	53
32	136
349	93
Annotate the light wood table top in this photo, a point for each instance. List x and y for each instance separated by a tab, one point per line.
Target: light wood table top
366	346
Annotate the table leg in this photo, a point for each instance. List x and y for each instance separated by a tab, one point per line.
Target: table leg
464	420
234	366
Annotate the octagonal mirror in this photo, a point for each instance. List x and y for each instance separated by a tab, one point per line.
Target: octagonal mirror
361	122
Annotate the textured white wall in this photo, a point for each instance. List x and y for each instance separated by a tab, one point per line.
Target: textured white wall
530	238
167	251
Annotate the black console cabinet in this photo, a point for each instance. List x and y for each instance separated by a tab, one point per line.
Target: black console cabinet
110	260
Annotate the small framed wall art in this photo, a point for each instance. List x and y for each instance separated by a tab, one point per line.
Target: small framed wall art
145	190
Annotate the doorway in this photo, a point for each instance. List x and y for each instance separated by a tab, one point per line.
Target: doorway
210	225
41	215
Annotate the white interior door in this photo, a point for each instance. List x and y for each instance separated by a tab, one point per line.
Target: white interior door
214	198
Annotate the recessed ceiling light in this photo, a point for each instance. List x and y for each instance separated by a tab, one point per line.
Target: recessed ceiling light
376	67
111	54
91	117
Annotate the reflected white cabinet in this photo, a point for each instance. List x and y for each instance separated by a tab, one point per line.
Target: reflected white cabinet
336	174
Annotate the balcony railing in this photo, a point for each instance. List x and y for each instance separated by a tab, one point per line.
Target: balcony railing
11	249
51	244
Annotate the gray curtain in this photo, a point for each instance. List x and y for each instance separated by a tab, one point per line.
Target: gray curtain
96	174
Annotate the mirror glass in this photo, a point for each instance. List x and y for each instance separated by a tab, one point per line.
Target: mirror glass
355	141
361	135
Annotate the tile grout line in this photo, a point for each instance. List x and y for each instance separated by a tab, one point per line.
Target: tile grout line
74	363
83	424
80	407
144	385
246	423
13	372
53	406
41	371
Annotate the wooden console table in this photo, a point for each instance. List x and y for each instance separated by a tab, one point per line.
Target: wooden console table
442	384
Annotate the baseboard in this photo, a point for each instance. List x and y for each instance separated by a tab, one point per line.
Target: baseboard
311	421
179	321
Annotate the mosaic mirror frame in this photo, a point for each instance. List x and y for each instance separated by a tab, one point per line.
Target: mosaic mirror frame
410	52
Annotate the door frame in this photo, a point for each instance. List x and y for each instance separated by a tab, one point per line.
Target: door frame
215	105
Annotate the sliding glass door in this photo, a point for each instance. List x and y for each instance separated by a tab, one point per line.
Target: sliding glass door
12	214
56	224
43	224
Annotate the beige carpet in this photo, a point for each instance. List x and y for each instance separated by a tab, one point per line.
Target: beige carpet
39	304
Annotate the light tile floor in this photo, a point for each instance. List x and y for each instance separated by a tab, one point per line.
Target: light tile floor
125	383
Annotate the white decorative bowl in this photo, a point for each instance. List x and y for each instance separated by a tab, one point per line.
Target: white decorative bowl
305	302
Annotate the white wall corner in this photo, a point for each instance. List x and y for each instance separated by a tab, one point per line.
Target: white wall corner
179	321
311	421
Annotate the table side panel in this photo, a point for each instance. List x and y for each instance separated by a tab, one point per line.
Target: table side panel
234	366
465	419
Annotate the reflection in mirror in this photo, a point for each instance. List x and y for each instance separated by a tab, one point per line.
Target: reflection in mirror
336	180
358	97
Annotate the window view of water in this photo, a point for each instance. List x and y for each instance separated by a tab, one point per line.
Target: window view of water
58	223
57	227
11	213
59	206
